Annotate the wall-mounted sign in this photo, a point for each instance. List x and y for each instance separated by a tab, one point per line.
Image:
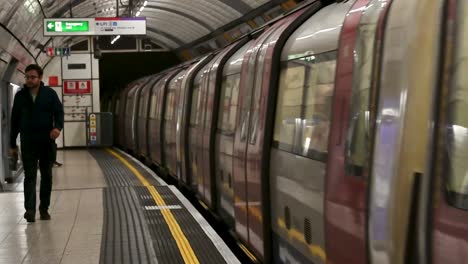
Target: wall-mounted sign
53	81
77	87
94	26
92	129
51	51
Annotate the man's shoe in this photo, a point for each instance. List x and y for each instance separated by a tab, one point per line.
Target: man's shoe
44	214
30	216
57	164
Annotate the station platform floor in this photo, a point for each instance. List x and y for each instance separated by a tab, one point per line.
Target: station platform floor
107	207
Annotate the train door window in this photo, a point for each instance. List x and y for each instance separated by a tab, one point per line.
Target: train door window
153	106
304	105
247	100
235	81
159	98
224	103
256	96
142	105
229	94
457	123
358	136
289	104
318	93
204	101
170	104
195	101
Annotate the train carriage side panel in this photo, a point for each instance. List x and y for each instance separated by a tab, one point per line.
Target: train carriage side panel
226	126
143	117
183	121
155	136
170	122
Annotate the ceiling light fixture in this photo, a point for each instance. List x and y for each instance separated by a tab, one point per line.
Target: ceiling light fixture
115	39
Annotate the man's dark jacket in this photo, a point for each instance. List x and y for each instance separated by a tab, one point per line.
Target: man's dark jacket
35	120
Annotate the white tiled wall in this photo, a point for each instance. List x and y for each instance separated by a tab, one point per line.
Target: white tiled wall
77	74
74	133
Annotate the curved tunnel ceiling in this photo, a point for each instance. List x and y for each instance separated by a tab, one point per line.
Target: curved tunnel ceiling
172	22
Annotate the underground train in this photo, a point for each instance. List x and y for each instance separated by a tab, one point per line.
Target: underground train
335	134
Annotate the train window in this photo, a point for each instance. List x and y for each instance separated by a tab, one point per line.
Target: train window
256	98
457	125
170	105
229	95
358	140
304	105
141	106
318	101
195	103
152	112
289	105
245	108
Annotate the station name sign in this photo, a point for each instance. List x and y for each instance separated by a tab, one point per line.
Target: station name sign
98	26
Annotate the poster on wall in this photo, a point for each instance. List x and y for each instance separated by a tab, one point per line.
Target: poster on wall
76	107
77	87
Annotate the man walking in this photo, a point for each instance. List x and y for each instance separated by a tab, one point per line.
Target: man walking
38	116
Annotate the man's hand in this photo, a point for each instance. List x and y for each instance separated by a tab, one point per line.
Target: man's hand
54	134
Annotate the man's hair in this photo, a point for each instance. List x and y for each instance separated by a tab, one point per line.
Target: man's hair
35	67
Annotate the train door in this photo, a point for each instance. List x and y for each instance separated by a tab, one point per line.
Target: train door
246	89
352	130
5	109
444	199
135	113
408	82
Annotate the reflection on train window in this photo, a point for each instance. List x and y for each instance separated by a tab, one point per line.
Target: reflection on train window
195	103
304	105
153	106
229	97
457	128
358	145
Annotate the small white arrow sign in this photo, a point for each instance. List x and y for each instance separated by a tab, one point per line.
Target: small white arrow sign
50	25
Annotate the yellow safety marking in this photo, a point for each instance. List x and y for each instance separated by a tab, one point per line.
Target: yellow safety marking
182	243
293	234
296	235
249	254
203	204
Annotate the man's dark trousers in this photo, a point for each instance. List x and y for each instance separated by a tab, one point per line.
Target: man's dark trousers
33	151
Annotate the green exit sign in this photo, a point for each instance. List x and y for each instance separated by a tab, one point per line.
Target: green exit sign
67	26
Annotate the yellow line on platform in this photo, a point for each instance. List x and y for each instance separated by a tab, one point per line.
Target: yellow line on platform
182	242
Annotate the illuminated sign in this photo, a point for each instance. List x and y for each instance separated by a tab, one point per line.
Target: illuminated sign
67	26
94	26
